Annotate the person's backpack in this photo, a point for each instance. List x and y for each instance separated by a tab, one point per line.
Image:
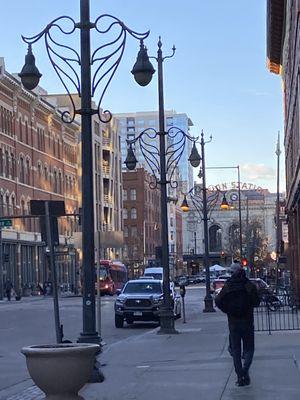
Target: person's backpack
237	303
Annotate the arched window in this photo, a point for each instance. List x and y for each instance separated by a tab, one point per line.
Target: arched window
215	238
7	204
133	213
7	166
46	172
28	170
13	204
26	133
1	162
22	170
1	204
13	166
20	130
60	182
55	181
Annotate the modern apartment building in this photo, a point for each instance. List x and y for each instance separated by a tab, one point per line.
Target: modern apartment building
38	160
283	57
132	124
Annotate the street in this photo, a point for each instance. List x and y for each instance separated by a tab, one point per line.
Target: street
31	321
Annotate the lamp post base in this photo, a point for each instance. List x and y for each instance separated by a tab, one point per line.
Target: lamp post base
97	376
167	324
208	305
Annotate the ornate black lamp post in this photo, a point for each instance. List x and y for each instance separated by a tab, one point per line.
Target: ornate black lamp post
162	161
204	204
105	59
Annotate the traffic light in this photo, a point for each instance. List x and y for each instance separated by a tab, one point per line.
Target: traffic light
244	262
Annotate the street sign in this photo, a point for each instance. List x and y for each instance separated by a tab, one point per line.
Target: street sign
5	223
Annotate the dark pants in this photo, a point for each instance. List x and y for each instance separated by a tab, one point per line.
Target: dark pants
8	294
242	332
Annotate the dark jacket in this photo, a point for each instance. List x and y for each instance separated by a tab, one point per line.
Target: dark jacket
236	286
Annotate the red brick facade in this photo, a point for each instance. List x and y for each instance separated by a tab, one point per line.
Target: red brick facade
141	216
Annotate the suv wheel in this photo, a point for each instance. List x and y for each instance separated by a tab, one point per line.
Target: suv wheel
119	321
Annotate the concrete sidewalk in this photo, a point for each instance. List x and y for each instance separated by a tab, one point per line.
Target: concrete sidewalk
195	364
192	365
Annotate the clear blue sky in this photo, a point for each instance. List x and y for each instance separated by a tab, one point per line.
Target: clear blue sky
218	75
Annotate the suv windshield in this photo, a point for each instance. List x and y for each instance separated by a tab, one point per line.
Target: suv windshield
143	287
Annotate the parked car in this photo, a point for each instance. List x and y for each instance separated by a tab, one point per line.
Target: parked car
181	280
262	286
140	300
217	286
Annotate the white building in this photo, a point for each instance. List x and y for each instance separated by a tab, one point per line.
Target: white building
258	210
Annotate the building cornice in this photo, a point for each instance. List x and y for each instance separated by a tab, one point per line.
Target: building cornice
275	34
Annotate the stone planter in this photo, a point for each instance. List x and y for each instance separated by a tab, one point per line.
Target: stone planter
61	370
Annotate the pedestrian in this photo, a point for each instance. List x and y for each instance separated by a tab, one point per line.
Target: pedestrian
8	288
237	299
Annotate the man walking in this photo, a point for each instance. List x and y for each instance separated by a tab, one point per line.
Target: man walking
8	288
237	299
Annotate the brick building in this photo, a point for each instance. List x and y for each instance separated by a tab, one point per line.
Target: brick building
38	160
283	32
141	216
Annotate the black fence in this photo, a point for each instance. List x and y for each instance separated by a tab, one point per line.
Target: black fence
277	312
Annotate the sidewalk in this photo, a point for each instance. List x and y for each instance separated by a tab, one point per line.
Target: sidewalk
193	365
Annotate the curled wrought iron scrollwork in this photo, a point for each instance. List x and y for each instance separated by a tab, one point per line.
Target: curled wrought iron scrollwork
106	58
176	141
212	198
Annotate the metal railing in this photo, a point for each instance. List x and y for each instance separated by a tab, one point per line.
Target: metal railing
277	312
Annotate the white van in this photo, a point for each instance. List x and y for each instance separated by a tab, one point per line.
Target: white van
154	272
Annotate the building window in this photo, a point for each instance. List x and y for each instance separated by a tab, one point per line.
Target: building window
133	213
132	194
125	213
22	170
134	231
169	121
28	172
130	121
171	221
125	231
215	238
7	164
124	194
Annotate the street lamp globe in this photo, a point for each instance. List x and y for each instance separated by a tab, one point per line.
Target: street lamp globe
184	205
30	75
194	157
143	69
131	160
224	205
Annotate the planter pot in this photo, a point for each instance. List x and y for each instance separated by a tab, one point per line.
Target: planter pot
61	370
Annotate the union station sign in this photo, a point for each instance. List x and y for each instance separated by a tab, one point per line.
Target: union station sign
234	186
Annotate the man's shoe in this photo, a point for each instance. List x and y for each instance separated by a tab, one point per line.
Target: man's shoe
240	382
247	379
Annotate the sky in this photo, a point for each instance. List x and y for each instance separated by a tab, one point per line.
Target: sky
218	76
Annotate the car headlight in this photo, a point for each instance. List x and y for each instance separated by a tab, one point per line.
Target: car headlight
120	301
157	300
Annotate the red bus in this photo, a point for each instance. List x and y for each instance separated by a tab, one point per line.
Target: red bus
113	276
